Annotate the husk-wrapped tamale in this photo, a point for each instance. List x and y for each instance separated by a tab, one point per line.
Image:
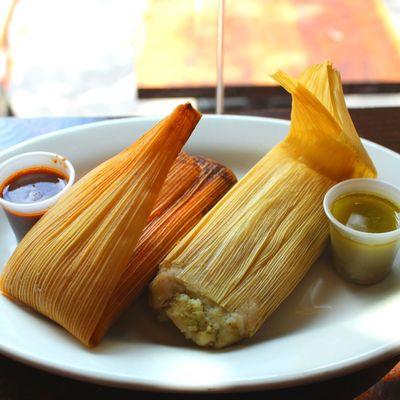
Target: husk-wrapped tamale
229	273
182	175
191	200
69	264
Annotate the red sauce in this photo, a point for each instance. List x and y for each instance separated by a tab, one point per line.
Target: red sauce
30	186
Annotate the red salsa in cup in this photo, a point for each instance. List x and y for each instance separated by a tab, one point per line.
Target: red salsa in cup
28	186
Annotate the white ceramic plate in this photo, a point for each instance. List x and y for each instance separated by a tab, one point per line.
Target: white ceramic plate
325	328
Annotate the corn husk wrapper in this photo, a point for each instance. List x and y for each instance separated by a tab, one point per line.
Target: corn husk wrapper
185	171
68	265
226	276
161	233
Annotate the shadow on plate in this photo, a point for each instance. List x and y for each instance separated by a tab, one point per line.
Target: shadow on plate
140	324
323	297
320	299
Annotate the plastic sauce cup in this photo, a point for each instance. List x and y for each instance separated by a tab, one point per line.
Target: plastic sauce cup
23	216
362	257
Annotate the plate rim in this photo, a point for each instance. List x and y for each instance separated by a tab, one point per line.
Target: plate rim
311	376
123	120
321	373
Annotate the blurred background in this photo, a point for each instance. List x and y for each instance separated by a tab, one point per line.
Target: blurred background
121	57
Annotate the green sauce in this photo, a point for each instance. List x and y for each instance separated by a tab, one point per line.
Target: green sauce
364	259
366	212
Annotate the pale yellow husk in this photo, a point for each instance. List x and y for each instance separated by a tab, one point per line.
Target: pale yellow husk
221	282
67	267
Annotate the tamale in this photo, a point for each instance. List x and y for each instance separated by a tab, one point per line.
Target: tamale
183	173
70	262
179	215
237	265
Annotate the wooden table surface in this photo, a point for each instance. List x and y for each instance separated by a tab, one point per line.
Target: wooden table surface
380	381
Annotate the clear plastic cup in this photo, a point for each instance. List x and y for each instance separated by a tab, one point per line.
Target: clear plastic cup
362	257
23	216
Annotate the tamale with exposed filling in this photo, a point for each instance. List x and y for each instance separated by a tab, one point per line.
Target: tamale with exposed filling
237	265
182	203
68	265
